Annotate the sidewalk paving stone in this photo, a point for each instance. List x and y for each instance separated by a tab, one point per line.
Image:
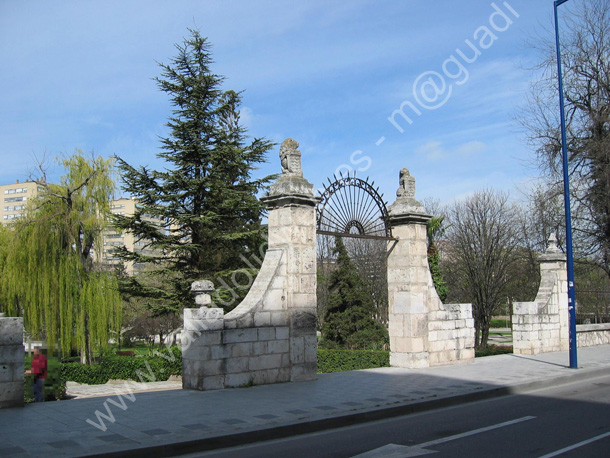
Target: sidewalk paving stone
171	418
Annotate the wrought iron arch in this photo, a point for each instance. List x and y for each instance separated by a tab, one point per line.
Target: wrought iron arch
352	207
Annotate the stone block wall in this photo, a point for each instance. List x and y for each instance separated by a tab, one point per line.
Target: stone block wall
12	357
591	335
542	325
451	334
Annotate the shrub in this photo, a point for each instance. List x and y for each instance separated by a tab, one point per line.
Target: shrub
350	360
492	350
162	364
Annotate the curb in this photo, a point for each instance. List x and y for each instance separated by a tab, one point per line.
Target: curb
280	432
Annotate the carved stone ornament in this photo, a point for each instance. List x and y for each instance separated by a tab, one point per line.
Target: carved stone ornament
290	188
290	158
406	188
406	207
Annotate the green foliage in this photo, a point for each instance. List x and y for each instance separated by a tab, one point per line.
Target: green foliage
435	228
492	350
499	323
205	192
48	274
349	319
351	360
163	364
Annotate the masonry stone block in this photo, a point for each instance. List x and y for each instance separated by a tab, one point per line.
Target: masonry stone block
282	332
297	350
196	352
409	360
241	349
303	372
11	331
260	348
267	333
238	380
220	351
215	382
240	335
262	319
278	346
302	322
279	319
265	362
236	365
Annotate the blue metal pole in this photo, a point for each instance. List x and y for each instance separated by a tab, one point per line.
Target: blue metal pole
566	196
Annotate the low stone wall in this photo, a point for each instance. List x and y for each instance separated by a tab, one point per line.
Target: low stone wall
590	335
451	334
12	355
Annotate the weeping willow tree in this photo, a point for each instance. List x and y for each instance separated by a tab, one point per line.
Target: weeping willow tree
49	275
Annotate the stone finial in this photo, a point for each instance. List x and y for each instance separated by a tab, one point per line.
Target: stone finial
290	158
406	208
406	188
290	188
551	245
553	253
202	289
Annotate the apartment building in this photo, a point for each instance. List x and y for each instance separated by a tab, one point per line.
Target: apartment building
14	198
114	238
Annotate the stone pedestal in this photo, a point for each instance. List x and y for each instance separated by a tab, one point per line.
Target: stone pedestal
12	357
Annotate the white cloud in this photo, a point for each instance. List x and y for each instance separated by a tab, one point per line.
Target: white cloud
431	150
435	150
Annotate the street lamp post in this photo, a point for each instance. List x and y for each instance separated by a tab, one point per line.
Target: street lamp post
566	196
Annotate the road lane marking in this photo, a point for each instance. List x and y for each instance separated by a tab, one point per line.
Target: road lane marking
475	431
572	447
393	450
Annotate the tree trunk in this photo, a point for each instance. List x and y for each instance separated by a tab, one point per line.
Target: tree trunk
86	356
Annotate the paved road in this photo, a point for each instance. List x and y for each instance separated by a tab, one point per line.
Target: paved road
571	420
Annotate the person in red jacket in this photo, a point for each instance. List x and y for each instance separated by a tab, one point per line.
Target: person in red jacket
39	371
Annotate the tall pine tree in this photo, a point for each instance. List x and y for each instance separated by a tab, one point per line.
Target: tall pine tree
206	193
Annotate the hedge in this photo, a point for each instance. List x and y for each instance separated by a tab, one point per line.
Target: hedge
350	360
158	367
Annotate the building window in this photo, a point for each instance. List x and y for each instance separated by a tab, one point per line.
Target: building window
16	191
14	199
13	208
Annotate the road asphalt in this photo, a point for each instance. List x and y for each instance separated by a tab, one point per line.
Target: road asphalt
128	419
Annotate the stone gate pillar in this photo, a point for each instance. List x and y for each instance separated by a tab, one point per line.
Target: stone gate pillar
423	331
292	229
408	274
543	325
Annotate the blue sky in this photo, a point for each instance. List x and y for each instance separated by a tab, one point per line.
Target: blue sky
78	74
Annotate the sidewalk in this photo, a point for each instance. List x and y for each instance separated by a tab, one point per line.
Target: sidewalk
169	422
